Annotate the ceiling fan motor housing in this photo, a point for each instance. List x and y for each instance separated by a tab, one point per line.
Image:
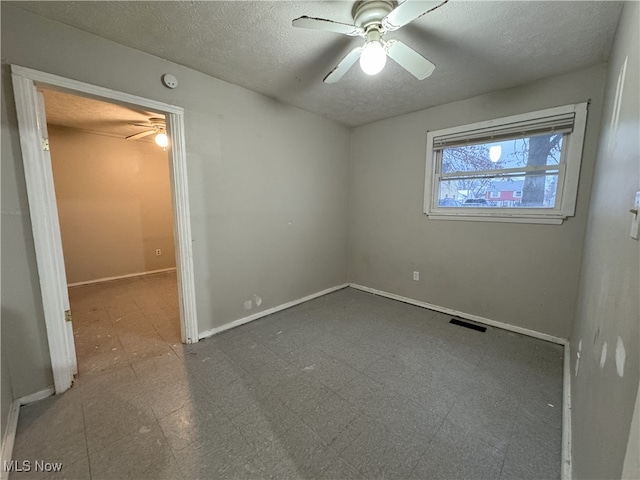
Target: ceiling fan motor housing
369	13
157	122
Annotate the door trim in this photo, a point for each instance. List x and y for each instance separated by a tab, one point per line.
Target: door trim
44	215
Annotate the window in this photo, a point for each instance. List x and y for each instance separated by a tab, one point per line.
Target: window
532	161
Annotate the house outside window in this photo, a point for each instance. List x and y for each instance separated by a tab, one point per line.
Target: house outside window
530	162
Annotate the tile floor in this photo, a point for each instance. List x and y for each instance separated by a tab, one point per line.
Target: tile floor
348	385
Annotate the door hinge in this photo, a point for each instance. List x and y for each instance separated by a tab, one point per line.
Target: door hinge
67	315
45	144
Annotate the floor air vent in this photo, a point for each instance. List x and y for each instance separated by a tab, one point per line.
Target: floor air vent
472	326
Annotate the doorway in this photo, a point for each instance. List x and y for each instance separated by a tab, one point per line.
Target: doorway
44	216
113	197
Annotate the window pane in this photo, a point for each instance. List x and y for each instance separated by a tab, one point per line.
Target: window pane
458	193
520	152
511	169
527	191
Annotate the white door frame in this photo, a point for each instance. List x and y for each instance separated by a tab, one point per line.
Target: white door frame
44	214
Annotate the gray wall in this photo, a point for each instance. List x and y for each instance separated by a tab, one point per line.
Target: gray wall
6	391
114	204
267	187
519	274
608	308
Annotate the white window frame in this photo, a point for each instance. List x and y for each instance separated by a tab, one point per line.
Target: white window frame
568	169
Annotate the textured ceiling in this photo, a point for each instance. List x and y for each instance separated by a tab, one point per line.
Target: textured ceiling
477	46
94	115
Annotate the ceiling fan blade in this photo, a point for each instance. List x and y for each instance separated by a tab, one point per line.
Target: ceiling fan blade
408	11
328	26
409	59
141	135
343	67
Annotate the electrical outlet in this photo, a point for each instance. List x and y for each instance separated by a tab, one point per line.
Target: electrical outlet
416	276
158	252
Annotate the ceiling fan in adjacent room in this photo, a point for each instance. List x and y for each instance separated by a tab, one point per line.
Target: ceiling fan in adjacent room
157	127
372	19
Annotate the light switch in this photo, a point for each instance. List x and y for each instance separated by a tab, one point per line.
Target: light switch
636	217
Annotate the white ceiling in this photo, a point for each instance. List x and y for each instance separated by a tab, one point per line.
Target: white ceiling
477	46
94	115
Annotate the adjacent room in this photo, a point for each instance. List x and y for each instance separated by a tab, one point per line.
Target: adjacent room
282	239
114	208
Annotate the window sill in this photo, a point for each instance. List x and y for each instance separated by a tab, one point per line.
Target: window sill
498	218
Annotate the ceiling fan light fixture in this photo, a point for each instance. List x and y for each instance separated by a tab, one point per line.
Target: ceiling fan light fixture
162	140
374	55
372	19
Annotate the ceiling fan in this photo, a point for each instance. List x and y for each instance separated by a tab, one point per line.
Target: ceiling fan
372	19
156	126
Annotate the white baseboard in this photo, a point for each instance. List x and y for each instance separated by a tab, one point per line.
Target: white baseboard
9	434
34	397
468	316
119	277
264	313
566	414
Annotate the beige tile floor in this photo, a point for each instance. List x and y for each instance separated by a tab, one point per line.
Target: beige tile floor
121	322
349	385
